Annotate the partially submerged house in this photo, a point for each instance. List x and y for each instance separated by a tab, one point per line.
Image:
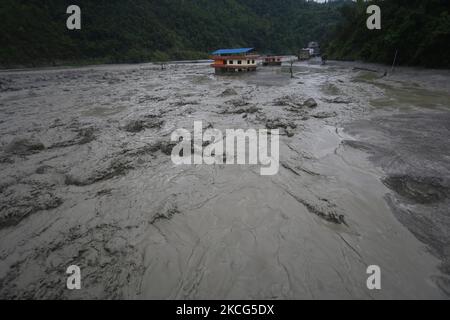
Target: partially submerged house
272	61
314	49
234	60
304	54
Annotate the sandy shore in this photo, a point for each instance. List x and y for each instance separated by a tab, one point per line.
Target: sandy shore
86	178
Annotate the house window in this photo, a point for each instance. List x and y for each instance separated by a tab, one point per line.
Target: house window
240	62
230	62
248	61
253	61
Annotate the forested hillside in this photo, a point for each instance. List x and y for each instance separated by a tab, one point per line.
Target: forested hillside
418	30
33	32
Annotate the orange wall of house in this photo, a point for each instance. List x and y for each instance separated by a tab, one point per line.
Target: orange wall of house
218	62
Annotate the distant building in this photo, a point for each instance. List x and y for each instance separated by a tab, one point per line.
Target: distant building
314	49
234	60
304	54
272	61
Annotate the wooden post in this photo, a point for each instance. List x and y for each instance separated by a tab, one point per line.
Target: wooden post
395	59
292	72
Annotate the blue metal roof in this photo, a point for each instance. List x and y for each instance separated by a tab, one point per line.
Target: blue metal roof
232	51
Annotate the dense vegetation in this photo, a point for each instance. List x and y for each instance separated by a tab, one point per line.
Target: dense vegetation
33	32
418	30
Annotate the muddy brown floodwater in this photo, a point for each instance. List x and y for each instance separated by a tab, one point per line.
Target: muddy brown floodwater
86	179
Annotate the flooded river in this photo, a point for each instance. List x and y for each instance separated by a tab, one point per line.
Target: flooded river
86	179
